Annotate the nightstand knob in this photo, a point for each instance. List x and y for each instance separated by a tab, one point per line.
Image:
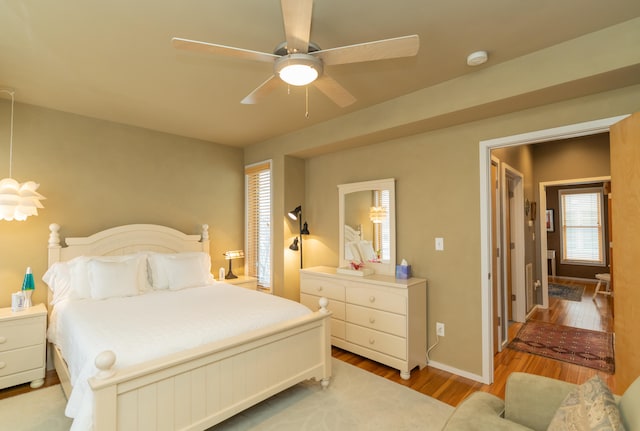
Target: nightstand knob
320	288
3	364
372	341
372	299
372	320
3	339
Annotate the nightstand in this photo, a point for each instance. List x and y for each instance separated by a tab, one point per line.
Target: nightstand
23	346
244	281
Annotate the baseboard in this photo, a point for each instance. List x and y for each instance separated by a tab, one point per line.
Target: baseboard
458	372
584	280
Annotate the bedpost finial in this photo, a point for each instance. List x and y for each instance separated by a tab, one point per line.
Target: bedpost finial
324	303
54	236
205	232
105	362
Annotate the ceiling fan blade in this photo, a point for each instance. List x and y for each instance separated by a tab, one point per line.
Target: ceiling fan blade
297	24
405	46
262	91
212	48
334	91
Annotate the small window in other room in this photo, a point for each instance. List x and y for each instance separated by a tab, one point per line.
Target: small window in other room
258	219
581	219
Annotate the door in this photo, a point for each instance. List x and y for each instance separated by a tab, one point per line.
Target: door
625	190
495	257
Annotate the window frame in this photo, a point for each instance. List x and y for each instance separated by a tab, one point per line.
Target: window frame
264	283
599	191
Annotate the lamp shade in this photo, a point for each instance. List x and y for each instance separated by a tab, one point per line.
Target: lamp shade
295	213
377	214
233	254
294	244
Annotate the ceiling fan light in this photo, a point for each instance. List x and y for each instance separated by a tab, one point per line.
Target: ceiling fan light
298	69
298	74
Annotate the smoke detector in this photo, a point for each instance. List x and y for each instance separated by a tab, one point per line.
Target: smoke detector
477	58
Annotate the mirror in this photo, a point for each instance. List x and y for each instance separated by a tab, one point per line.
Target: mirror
367	225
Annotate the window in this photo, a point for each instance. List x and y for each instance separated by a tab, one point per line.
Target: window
258	218
581	226
382	231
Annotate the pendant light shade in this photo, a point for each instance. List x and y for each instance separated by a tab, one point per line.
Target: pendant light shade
17	200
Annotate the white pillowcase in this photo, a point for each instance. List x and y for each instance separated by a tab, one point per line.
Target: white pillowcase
71	280
114	278
179	270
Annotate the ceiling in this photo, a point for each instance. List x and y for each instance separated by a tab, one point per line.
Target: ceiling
113	60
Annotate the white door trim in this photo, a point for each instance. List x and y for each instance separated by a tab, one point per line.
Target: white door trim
485	147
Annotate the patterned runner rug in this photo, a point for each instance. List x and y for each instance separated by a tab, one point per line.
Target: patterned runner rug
583	347
570	293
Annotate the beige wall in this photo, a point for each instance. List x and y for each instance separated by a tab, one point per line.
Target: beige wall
97	175
429	141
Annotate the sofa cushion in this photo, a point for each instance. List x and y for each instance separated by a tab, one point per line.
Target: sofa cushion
590	406
480	412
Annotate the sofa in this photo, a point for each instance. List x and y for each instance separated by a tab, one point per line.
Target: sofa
533	402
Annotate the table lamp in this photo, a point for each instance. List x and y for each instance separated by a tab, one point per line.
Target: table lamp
230	255
28	285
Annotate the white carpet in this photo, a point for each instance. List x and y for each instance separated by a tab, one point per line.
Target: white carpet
356	400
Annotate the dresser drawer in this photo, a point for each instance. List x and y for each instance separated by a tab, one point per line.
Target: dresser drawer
336	307
338	329
27	358
322	287
376	340
20	333
377	298
384	321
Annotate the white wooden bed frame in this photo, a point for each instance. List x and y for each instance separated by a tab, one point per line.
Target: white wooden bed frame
198	388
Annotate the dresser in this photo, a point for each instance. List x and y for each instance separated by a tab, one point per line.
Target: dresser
376	316
22	346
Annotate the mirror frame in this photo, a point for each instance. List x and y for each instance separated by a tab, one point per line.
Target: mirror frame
386	184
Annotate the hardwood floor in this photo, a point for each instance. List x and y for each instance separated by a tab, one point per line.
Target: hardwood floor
452	389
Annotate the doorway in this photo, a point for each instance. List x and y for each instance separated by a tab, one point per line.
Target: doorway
558	133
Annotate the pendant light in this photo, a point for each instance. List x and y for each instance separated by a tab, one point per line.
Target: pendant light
17	201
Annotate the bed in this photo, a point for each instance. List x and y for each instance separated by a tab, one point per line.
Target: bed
162	384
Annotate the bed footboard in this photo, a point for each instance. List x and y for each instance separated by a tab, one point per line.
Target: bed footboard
197	389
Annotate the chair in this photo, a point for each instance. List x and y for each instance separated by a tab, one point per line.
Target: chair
603	278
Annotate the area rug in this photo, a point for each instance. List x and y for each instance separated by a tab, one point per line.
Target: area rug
582	347
570	293
355	400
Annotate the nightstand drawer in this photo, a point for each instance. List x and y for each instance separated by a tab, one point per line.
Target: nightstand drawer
19	360
20	333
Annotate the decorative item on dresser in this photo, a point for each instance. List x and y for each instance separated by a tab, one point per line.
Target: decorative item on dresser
22	346
376	316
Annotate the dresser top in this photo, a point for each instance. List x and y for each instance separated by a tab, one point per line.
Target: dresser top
387	280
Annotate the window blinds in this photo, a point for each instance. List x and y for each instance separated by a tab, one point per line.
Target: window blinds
582	231
258	195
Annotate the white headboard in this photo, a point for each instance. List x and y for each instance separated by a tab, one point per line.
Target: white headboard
125	240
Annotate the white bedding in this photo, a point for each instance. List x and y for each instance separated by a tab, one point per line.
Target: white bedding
153	324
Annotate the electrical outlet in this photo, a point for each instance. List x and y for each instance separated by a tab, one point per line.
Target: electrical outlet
440	329
439	244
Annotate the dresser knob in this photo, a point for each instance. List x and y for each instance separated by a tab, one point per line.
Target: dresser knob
3	364
3	340
372	299
320	289
372	341
372	320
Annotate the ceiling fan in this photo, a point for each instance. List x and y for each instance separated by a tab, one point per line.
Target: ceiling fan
297	61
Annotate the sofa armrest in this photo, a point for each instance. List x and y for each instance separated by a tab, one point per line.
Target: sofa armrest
480	412
532	400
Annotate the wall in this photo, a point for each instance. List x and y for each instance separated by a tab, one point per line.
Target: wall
571	159
97	175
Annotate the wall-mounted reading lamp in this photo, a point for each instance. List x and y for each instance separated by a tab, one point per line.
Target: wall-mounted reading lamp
296	214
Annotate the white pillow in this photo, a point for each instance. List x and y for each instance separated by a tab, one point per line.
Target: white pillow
80	285
179	270
367	252
352	253
109	279
58	278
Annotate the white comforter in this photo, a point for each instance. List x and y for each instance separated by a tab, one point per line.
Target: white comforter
153	324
